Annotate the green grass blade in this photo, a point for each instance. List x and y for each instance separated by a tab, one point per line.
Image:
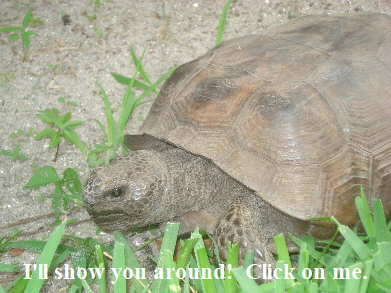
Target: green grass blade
46	257
101	265
232	262
366	276
247	285
173	282
223	19
132	263
381	258
365	213
111	127
353	284
101	127
185	253
168	244
380	222
19	285
139	66
342	255
313	252
282	249
86	287
279	282
9	268
355	242
119	282
126	111
152	88
208	284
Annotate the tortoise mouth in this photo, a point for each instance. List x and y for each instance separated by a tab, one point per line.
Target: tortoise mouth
113	222
114	218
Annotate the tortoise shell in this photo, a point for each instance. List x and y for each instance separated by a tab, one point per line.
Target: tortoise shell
301	113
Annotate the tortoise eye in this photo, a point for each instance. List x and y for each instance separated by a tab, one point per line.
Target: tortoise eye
116	192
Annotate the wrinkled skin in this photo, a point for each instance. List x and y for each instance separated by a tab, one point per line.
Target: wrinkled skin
149	186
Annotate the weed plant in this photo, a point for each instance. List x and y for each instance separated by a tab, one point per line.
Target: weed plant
23	33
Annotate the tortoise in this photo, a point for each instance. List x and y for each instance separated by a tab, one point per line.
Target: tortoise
261	134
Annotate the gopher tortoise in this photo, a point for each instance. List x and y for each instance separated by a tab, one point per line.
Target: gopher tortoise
261	134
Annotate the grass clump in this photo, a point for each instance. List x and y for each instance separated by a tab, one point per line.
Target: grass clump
358	264
114	130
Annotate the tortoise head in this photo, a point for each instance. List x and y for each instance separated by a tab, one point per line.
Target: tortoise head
128	192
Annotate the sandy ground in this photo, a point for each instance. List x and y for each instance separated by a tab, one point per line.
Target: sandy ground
64	60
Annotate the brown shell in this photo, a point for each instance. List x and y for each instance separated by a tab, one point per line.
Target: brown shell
301	113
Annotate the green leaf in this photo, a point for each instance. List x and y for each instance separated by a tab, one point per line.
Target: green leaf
50	117
70	134
54	140
25	40
10	29
43	176
64	119
30	33
74	123
14	153
13	37
27	18
44	118
6	152
45	133
72	182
